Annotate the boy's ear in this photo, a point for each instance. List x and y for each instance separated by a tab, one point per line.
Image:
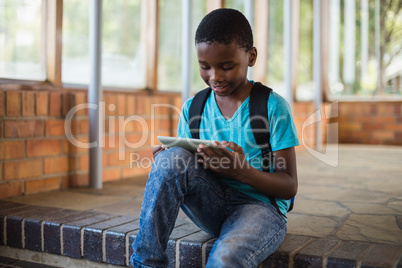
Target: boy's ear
252	56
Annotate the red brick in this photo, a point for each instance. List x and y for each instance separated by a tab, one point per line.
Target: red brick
68	102
72	126
43	147
113	159
143	105
84	162
42	103
161	124
55	104
84	126
130	105
146	153
11	149
70	148
23	128
134	171
384	119
2	103
134	141
350	126
10	189
397	109
75	180
58	164
28	103
373	126
111	142
54	127
395	127
111	174
22	169
42	185
129	125
382	135
160	105
80	98
13	103
175	124
177	102
398	134
112	126
111	104
121	104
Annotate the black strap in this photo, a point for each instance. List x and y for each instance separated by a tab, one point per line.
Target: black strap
259	123
195	112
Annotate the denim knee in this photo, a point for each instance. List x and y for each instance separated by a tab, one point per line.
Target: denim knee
175	158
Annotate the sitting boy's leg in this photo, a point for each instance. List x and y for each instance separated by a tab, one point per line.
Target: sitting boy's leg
176	177
250	234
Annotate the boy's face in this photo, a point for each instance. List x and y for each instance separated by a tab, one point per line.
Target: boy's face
224	67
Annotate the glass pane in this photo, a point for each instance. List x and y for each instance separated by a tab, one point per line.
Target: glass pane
275	47
235	4
75	55
304	89
199	11
121	51
122	59
365	56
21	40
169	53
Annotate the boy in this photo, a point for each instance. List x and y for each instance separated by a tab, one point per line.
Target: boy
224	192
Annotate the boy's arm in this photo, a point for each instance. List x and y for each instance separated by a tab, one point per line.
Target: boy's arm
232	164
282	183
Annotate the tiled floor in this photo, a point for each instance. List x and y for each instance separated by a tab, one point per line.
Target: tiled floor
14	263
347	210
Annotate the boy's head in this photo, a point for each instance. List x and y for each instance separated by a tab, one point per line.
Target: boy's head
225	26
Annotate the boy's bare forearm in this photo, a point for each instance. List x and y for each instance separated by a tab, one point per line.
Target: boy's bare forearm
276	184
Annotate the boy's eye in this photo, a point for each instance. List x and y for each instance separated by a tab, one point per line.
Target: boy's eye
204	67
227	67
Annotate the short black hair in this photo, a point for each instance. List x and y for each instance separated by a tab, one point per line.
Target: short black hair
224	26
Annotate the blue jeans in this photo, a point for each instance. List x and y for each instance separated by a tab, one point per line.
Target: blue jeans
248	230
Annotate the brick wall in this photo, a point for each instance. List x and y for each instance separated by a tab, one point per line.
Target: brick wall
357	122
36	156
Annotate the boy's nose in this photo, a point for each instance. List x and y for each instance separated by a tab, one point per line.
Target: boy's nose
215	76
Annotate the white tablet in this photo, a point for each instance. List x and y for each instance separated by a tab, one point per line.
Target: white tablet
186	143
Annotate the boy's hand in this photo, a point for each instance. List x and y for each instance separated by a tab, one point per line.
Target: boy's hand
231	164
158	149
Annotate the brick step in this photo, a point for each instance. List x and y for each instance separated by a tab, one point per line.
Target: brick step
106	238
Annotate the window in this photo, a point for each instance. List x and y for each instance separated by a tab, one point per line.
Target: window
121	45
169	51
365	56
235	4
305	87
199	11
275	47
22	40
170	42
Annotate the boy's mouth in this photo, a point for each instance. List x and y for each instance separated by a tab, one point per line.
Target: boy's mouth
219	88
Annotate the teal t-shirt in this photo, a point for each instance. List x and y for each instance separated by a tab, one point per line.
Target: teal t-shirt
214	126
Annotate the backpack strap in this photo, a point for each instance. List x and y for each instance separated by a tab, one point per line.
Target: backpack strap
195	112
259	122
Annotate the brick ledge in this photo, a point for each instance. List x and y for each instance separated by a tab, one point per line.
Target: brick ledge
106	238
